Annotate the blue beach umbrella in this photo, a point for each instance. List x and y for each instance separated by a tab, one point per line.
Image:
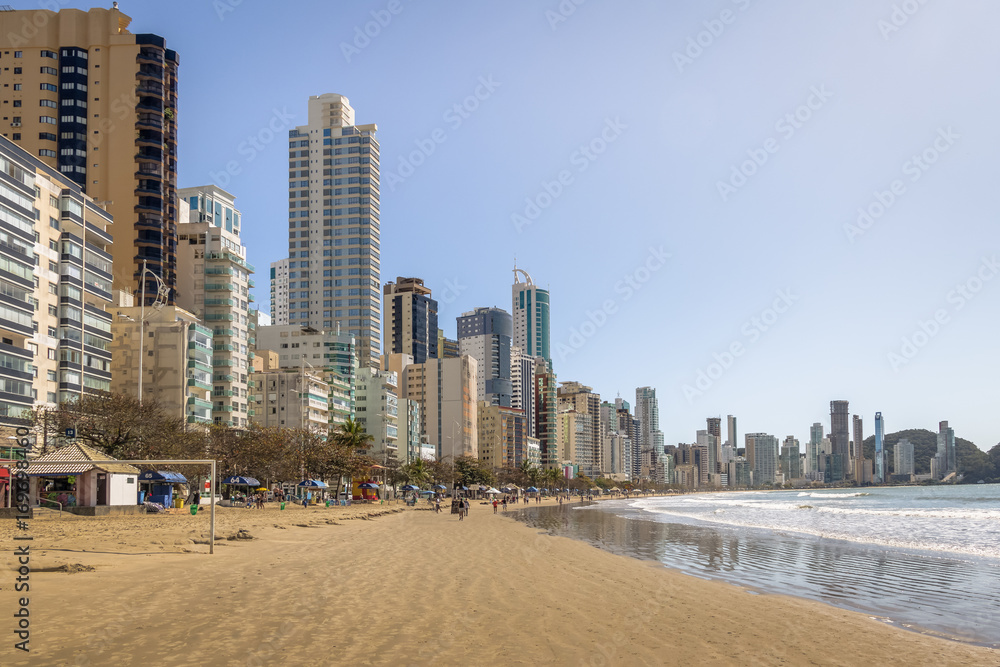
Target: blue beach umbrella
532	489
411	487
313	483
440	486
241	481
368	485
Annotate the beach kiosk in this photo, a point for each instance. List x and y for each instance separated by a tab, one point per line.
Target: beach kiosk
157	486
66	480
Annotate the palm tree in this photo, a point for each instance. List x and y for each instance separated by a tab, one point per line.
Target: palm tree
417	472
352	442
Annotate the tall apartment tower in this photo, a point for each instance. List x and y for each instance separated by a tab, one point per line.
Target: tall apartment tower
279	292
214	283
762	455
946	458
333	226
879	449
546	404
98	103
530	308
411	320
813	449
578	398
55	314
522	382
903	458
859	447
840	438
647	411
484	334
715	430
731	435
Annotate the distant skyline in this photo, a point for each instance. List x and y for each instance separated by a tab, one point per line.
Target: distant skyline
808	189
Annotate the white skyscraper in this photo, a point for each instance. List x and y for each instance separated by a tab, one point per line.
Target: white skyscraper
647	411
333	225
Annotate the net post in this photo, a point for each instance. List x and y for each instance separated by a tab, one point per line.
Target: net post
211	537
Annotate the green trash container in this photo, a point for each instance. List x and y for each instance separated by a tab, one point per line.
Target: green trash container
282	504
194	509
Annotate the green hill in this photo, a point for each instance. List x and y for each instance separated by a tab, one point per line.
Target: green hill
973	463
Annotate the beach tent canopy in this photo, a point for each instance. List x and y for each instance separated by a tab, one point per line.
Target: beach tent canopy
162	477
368	485
313	483
427	493
491	490
241	481
411	487
532	489
440	486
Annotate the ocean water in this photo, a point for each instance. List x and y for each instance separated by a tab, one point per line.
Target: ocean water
926	558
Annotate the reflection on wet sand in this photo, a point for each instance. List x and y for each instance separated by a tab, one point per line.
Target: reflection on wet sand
954	597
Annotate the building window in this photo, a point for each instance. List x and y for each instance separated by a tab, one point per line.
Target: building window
46	153
49	87
17	103
17	54
17	70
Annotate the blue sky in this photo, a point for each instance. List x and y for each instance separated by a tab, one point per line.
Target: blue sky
740	138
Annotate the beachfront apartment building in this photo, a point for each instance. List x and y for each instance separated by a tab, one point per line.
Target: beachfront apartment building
56	286
333	226
903	461
328	353
279	292
790	464
445	390
447	347
503	436
944	462
485	335
582	399
410	323
546	405
840	462
214	282
174	351
98	104
376	410
293	399
762	455
522	382
530	319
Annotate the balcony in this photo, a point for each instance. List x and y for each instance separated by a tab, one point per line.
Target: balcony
199	384
218	287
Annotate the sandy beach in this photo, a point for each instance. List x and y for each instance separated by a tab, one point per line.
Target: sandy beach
406	587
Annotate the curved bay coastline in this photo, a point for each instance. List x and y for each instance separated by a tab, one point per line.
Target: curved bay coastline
936	573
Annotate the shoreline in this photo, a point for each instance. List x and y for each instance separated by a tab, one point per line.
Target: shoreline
889	621
412	587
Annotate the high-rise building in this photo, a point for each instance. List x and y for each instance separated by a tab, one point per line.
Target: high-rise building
530	308
445	389
762	454
715	430
100	106
329	354
546	406
813	454
903	458
56	312
581	399
213	282
376	406
710	442
945	457
791	461
503	436
858	451
411	320
484	335
879	449
447	348
176	359
731	436
333	225
840	437
647	411
522	382
291	399
279	292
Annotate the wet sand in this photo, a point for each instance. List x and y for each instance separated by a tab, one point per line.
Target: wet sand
407	587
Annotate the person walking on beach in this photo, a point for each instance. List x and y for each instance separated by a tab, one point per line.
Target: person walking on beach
461	510
495	504
437	505
467	505
505	503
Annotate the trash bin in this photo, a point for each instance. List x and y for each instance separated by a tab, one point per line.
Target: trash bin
282	504
194	510
178	503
